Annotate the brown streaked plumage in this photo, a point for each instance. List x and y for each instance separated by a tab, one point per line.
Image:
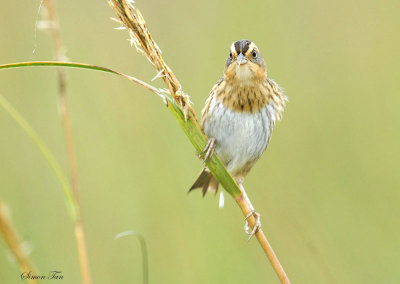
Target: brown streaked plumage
240	113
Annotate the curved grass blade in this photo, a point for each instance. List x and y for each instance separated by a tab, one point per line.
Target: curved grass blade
142	243
50	159
189	126
78	65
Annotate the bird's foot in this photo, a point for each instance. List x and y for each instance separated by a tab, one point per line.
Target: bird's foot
257	225
209	150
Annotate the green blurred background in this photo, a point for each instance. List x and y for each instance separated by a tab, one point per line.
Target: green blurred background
327	187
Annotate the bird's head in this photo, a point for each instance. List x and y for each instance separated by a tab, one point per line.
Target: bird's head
245	64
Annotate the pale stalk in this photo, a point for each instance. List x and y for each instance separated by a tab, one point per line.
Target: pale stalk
69	142
14	243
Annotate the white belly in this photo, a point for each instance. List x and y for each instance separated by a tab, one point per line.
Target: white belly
241	138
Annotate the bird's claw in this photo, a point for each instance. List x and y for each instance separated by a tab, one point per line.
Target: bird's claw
257	225
209	150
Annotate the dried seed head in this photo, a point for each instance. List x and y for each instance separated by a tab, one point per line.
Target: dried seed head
131	18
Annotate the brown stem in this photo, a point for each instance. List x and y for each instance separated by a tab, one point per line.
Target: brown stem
66	121
14	242
246	207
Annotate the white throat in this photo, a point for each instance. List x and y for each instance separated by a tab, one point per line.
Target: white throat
244	75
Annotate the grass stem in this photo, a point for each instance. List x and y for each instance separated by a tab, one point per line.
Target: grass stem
69	141
14	243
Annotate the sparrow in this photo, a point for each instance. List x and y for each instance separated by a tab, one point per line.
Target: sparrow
239	115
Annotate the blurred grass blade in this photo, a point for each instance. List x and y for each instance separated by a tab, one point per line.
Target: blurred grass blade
80	236
143	247
54	165
14	242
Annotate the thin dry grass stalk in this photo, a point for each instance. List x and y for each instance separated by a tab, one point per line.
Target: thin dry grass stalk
53	26
131	19
14	243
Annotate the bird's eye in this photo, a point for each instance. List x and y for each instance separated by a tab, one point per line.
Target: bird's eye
230	54
254	53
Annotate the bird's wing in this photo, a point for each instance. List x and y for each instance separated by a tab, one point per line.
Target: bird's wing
206	108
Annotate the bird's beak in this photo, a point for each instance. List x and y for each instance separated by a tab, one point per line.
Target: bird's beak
241	59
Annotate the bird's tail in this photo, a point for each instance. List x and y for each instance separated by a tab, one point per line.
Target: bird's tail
206	182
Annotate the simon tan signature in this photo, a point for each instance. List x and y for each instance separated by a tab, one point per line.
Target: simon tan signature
52	275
